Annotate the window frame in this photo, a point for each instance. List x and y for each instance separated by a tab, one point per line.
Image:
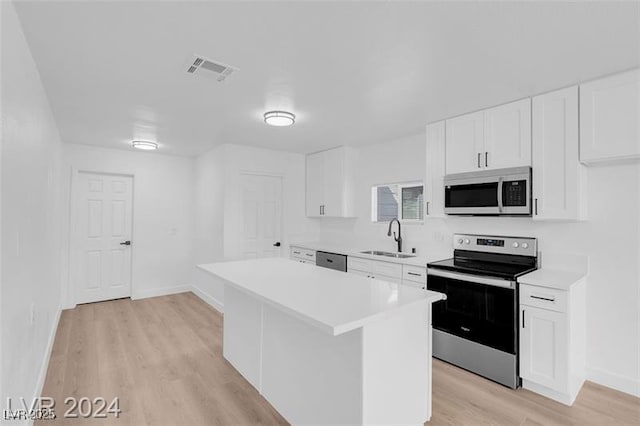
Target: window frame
400	185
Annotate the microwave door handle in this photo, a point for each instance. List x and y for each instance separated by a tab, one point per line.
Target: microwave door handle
500	203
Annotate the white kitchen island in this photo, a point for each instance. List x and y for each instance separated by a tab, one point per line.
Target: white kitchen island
328	347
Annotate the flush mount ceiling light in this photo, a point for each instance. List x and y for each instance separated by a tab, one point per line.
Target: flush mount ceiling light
147	146
279	118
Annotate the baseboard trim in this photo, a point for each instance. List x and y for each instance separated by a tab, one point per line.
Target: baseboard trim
614	381
155	292
563	398
44	367
215	303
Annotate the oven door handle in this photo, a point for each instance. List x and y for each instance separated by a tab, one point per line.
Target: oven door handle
475	279
500	201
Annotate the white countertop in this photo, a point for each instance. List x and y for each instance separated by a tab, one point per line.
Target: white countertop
333	301
419	260
552	278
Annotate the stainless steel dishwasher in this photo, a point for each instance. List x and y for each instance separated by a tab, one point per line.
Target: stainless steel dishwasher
331	261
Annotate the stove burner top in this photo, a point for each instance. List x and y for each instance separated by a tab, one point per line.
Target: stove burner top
478	267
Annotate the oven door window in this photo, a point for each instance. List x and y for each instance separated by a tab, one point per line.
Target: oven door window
472	195
481	313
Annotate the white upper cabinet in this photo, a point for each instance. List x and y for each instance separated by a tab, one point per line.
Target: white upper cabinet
330	183
433	182
490	139
464	137
333	183
559	180
609	118
315	184
507	135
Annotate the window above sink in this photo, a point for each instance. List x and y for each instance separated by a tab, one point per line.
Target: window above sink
402	200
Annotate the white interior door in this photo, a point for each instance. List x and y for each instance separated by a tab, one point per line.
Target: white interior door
262	215
103	258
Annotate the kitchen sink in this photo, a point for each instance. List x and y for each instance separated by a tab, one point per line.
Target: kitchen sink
387	254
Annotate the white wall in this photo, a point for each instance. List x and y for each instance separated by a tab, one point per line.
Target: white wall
30	218
291	167
609	238
219	206
163	197
209	222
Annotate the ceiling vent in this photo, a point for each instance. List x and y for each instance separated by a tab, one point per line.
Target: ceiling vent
199	65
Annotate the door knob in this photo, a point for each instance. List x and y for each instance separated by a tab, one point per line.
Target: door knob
126	243
277	244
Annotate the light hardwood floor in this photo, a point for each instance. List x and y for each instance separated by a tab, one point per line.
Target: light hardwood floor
163	358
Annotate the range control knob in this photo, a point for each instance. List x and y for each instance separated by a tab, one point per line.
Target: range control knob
460	241
525	245
467	241
516	245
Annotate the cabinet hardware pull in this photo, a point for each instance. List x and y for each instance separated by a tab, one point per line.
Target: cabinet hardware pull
535	203
414	274
479	166
308	254
523	318
486	159
427	208
296	252
543	298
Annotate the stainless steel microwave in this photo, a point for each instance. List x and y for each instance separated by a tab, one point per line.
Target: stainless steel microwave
489	192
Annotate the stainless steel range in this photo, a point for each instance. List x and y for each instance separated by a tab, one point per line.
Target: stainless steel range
476	328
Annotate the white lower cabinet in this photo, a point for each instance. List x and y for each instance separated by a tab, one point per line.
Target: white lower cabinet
303	255
385	271
543	347
552	341
413	276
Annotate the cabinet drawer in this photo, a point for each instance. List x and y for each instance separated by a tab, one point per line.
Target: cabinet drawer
355	263
387	269
542	297
302	253
415	274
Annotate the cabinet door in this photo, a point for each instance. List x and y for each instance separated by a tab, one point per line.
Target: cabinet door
394	280
433	182
414	284
361	273
557	173
315	183
610	117
464	143
507	135
333	182
543	347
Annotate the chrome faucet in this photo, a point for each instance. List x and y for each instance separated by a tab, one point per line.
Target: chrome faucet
398	239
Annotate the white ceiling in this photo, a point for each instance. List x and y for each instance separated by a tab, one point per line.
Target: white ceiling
353	72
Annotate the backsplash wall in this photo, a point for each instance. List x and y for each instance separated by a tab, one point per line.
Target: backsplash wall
609	238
